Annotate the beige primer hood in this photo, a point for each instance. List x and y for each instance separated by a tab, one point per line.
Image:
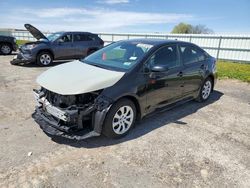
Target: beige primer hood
77	77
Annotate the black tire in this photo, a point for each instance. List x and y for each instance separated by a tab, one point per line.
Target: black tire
108	129
202	96
44	59
5	49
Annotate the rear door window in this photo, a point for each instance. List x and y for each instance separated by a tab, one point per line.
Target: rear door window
191	54
82	38
93	37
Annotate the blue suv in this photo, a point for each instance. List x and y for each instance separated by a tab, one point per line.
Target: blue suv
57	46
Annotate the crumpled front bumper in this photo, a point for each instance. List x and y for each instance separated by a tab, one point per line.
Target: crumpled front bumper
68	123
53	127
22	58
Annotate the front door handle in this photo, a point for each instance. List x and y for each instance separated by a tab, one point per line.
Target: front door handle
180	74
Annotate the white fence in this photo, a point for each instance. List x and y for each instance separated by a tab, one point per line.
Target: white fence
225	47
233	48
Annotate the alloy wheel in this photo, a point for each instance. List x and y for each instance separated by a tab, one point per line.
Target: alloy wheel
5	49
206	90
123	120
45	59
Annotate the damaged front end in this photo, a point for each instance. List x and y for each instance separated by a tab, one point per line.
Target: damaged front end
71	116
25	54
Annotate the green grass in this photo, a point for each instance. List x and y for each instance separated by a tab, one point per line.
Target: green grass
20	42
233	70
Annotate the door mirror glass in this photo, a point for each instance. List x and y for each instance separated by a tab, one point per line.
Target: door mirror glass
159	68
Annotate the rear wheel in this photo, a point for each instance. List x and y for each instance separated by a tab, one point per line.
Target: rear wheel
120	119
206	90
44	59
5	49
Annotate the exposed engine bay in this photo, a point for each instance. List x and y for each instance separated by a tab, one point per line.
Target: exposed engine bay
67	114
70	101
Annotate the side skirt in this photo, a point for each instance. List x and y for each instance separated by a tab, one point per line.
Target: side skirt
170	106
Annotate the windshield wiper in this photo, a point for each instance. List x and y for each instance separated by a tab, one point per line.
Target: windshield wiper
94	64
101	66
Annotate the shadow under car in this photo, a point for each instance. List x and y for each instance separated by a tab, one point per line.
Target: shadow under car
154	121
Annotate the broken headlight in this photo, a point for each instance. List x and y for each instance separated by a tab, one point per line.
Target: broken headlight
102	102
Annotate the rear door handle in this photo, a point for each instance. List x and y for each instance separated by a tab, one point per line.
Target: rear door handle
180	74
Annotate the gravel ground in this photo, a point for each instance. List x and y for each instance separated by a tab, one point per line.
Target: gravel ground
193	145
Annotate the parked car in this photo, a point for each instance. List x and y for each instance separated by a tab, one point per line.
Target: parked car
7	45
57	46
112	88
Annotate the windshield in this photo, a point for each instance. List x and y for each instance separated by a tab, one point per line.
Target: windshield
52	37
120	56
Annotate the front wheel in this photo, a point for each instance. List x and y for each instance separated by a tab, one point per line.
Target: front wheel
206	90
120	119
5	49
44	59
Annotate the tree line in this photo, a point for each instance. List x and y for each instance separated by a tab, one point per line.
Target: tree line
185	28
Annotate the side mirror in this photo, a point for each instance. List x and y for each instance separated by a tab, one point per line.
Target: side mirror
159	68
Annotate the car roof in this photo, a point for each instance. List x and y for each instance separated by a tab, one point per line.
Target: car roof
74	32
156	42
160	42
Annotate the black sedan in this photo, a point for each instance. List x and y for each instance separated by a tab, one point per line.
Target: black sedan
112	88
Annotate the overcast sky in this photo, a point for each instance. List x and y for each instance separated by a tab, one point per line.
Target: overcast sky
222	16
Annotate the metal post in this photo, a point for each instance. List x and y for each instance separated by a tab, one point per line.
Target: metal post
128	36
218	50
112	37
190	38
